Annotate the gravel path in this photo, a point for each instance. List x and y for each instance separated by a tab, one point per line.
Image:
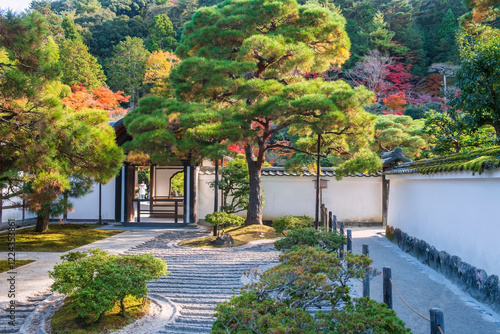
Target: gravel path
200	278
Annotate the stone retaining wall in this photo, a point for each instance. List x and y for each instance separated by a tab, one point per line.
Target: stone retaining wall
475	281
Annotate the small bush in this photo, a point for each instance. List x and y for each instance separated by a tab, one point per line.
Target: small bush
292	223
224	219
309	237
96	280
306	277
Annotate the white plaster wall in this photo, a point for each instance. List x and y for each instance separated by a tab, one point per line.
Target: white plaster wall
205	199
288	195
162	181
15	213
88	207
353	199
454	212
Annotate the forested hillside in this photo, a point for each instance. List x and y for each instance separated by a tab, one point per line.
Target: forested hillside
408	52
402	37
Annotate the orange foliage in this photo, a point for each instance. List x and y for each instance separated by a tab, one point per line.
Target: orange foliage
99	98
396	103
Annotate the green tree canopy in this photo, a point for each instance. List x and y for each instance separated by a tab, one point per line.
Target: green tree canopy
479	82
238	82
451	133
126	68
79	66
45	147
393	131
161	34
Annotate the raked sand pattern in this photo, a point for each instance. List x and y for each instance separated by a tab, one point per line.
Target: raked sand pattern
200	278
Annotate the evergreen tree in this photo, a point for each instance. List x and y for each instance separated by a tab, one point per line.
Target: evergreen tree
69	28
479	82
126	68
78	65
161	34
44	146
381	38
110	33
447	48
393	131
237	84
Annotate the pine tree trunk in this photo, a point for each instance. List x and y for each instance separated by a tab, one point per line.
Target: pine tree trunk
42	223
122	307
254	213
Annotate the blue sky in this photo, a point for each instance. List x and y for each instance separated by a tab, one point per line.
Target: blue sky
16	5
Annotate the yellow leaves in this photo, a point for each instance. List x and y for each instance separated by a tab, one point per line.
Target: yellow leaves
158	67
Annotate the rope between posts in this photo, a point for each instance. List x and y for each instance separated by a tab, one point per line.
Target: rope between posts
440	330
411	308
352	243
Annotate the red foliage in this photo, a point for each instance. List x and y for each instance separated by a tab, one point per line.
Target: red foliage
99	98
396	103
236	148
400	77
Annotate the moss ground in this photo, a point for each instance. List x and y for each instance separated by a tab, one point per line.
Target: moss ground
4	264
58	238
66	321
241	235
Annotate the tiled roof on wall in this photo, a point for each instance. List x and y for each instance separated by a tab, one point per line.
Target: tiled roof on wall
476	161
280	171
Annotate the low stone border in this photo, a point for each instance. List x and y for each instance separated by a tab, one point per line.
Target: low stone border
475	281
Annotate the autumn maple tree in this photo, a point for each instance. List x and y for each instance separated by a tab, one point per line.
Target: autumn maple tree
396	103
237	83
100	98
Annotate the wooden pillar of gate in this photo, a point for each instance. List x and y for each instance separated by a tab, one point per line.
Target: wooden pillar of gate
129	193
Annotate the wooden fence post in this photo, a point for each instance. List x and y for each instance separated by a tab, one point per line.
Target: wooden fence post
366	279
335	223
437	321
322	215
330	221
349	240
341	231
387	287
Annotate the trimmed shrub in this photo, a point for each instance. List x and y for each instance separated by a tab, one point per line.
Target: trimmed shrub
223	219
306	277
96	280
309	237
292	223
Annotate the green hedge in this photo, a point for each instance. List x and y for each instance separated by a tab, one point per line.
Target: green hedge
309	237
292	223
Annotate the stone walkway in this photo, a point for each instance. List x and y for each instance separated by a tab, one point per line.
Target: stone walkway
200	278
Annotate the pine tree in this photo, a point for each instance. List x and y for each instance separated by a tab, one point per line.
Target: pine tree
237	83
44	146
